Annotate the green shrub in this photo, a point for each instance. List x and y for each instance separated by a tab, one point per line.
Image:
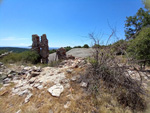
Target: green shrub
2	51
30	56
52	51
77	47
24	57
86	46
140	46
119	47
68	48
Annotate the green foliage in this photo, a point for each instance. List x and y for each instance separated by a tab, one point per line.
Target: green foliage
119	47
147	4
30	56
52	51
2	51
134	23
96	46
25	57
14	49
140	46
86	46
68	48
77	47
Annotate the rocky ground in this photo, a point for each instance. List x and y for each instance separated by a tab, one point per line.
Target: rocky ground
32	89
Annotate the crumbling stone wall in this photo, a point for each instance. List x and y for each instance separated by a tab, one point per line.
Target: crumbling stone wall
61	54
44	48
36	43
41	47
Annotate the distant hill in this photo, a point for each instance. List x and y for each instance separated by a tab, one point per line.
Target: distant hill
21	49
14	49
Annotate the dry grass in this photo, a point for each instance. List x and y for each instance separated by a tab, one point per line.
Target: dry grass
42	102
81	101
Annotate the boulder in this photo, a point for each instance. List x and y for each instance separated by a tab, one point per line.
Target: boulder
56	90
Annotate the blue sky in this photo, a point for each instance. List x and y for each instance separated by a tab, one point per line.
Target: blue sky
65	22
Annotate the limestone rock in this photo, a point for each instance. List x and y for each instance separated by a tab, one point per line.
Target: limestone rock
34	74
28	97
56	90
74	78
50	111
83	84
67	105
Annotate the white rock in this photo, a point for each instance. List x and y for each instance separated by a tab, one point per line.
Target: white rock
50	111
40	87
83	84
36	85
74	78
27	68
19	111
56	90
69	70
28	97
67	105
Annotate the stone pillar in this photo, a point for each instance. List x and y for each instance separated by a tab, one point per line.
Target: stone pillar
36	43
44	49
61	54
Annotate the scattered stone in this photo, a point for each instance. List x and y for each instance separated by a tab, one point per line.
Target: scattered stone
31	81
6	80
5	85
27	68
83	84
69	71
56	90
28	97
67	86
40	87
20	93
1	63
36	85
74	78
67	105
34	74
50	111
19	111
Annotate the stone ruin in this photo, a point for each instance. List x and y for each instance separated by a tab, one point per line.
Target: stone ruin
61	53
41	47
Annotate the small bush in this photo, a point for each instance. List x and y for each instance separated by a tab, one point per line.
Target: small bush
77	47
86	46
68	48
52	51
3	51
